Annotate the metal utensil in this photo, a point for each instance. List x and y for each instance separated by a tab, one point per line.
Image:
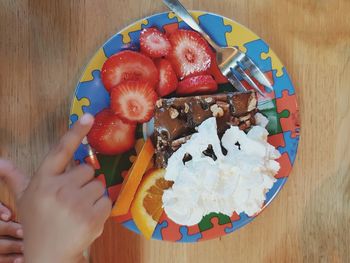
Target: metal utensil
232	62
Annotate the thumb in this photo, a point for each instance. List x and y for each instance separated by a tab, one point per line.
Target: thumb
13	177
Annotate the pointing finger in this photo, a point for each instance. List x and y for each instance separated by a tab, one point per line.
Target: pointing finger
59	157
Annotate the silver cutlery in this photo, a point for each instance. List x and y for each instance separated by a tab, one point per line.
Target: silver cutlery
232	62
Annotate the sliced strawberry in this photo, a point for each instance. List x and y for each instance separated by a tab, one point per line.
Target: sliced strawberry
202	84
190	54
215	71
167	78
110	135
134	101
154	43
128	65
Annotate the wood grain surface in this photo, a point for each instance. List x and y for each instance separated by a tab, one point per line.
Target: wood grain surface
45	44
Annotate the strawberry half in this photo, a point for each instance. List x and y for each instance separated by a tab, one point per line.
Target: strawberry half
134	101
128	65
154	43
167	78
190	55
110	135
202	84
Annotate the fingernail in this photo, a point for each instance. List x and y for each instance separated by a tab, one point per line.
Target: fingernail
86	119
5	217
19	232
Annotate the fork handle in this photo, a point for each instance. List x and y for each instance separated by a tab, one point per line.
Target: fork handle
181	11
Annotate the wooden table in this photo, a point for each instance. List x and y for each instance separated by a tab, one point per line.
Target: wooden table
45	45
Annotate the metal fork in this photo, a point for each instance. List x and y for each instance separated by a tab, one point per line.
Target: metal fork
232	62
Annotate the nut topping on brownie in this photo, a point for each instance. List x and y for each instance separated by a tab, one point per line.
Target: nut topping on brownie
176	119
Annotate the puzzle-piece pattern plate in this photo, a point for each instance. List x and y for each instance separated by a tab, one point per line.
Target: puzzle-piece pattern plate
123	218
288	103
216	231
280	106
206	222
237	221
291	145
171	230
282	84
276	64
239	35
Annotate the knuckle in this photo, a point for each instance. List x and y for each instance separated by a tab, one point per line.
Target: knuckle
62	195
100	189
87	169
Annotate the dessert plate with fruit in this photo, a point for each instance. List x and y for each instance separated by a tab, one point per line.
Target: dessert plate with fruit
184	156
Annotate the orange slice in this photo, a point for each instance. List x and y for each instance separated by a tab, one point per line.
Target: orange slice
133	179
147	206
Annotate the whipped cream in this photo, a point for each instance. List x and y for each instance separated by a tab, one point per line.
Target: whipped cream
237	181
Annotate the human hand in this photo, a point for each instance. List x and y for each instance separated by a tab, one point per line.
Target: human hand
62	211
11	233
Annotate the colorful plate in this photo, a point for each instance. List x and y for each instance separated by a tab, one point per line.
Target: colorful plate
279	106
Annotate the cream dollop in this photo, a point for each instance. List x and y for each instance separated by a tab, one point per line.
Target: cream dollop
237	181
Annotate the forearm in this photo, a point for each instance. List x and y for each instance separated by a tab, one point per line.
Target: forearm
44	258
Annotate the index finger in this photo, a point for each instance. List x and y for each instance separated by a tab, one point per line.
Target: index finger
59	157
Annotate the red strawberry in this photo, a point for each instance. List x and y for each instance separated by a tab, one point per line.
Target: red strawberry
110	135
154	43
190	54
134	101
167	78
128	65
202	84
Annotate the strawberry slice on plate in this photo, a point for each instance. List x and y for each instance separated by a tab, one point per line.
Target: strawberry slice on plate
167	78
202	84
111	135
190	55
154	43
134	101
128	65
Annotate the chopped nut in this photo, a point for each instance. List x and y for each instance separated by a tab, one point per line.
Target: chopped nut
187	108
252	103
244	118
180	141
173	113
223	105
217	111
159	103
208	100
248	123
